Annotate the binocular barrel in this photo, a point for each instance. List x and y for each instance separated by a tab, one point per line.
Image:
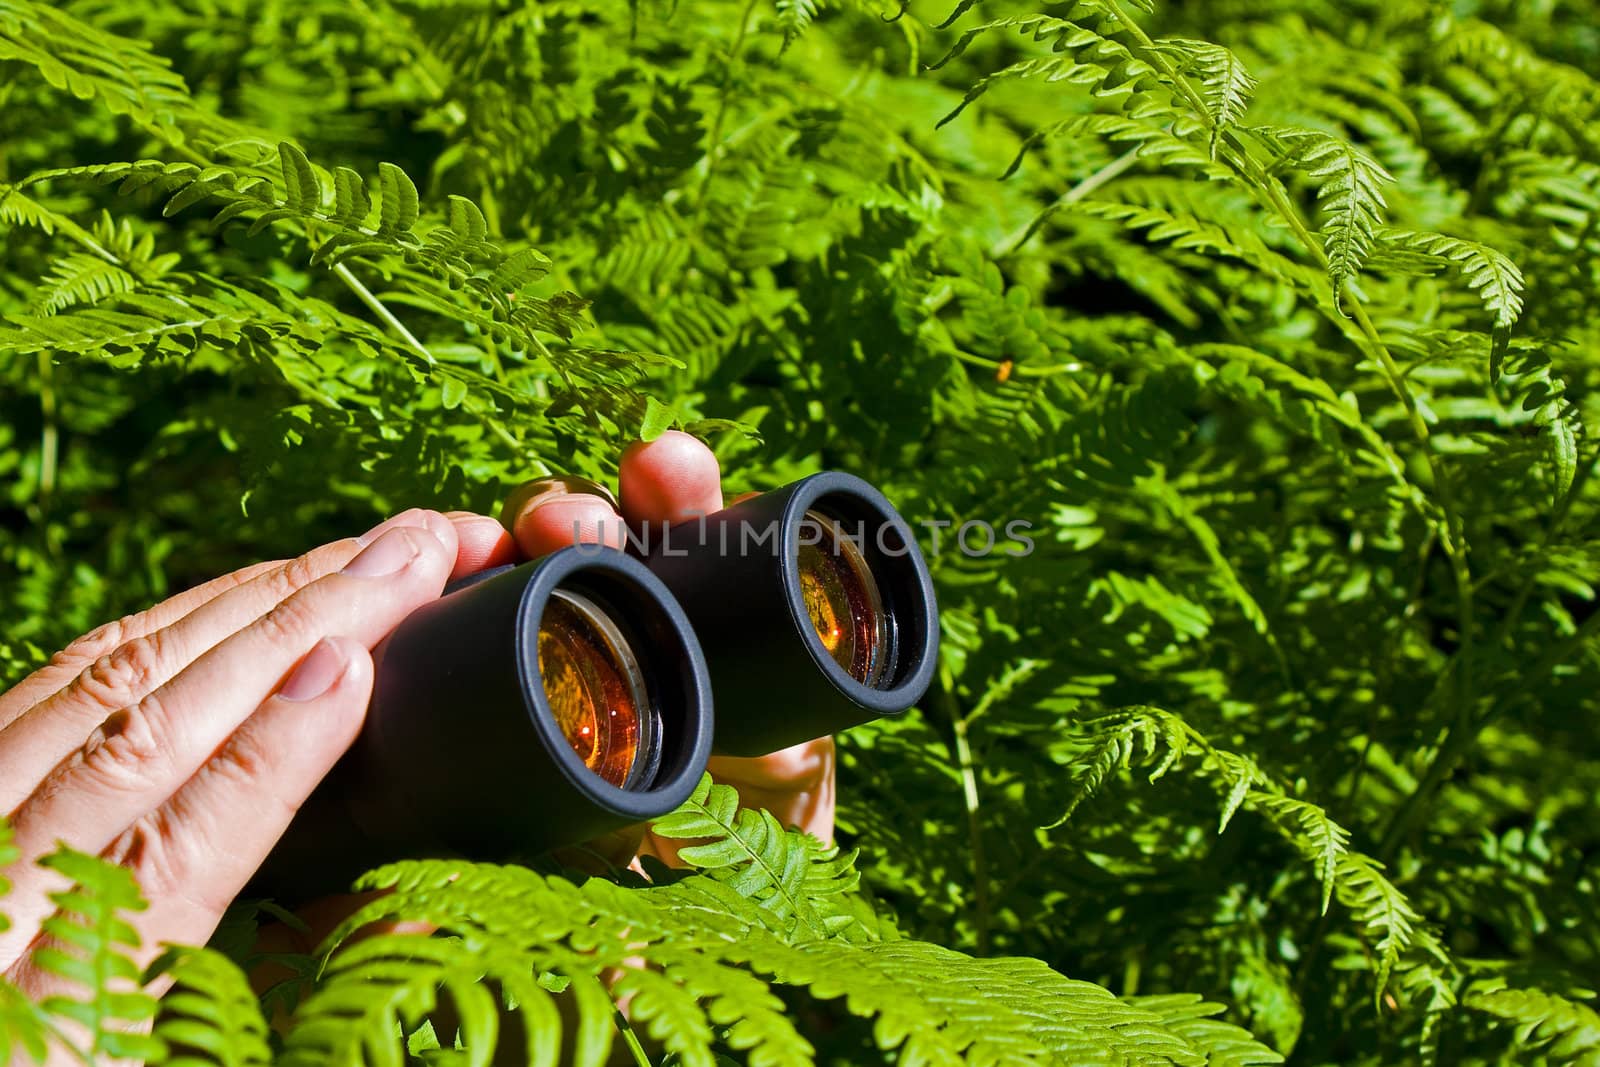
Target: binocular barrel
546	704
813	605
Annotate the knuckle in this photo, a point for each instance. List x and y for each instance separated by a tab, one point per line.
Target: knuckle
124	674
289	622
94	644
128	753
293	576
246	764
159	852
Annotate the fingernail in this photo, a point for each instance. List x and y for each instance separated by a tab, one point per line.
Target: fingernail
439	526
316	674
408	517
388	554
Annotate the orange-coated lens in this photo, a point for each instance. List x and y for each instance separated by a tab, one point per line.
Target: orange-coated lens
842	598
594	685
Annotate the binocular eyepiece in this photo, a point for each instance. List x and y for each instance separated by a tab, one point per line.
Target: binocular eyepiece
541	705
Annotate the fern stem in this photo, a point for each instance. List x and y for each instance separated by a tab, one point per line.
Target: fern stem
631	1039
49	439
714	141
380	310
1110	172
944	694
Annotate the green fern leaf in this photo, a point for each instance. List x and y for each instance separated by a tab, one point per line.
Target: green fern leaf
89	939
1489	273
302	187
749	850
1222	1044
1309	829
1564	1031
210	1017
1350	187
1226	86
400	205
795	17
81	278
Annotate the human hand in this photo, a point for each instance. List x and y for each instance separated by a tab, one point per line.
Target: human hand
671	479
180	741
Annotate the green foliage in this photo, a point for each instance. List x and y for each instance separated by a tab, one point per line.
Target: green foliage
699	959
86	943
1273	319
209	1015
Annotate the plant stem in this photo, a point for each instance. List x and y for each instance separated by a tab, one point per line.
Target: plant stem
380	310
49	439
714	141
945	696
1110	172
631	1039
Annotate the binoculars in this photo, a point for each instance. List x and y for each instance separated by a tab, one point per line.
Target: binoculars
541	705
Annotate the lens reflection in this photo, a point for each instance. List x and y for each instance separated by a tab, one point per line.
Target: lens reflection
595	687
842	598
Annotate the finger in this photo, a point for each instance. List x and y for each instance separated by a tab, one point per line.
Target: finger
67	664
481	543
72	660
46	733
529	494
141	755
673	478
548	520
193	854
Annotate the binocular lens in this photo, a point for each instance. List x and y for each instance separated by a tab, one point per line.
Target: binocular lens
596	689
842	598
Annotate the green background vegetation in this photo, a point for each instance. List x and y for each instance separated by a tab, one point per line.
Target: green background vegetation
1274	316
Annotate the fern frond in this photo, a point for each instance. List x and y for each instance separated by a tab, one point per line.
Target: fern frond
1222	1044
376	990
1012	1011
89	939
711	943
1350	196
1225	85
126	77
1563	1031
1309	829
17	209
1487	272
23	1028
785	871
210	1015
1135	736
1098	62
794	18
81	278
1381	909
1162	143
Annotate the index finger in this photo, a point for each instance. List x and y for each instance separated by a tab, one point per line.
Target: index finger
550	513
671	479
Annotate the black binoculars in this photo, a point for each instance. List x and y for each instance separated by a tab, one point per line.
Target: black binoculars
549	703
